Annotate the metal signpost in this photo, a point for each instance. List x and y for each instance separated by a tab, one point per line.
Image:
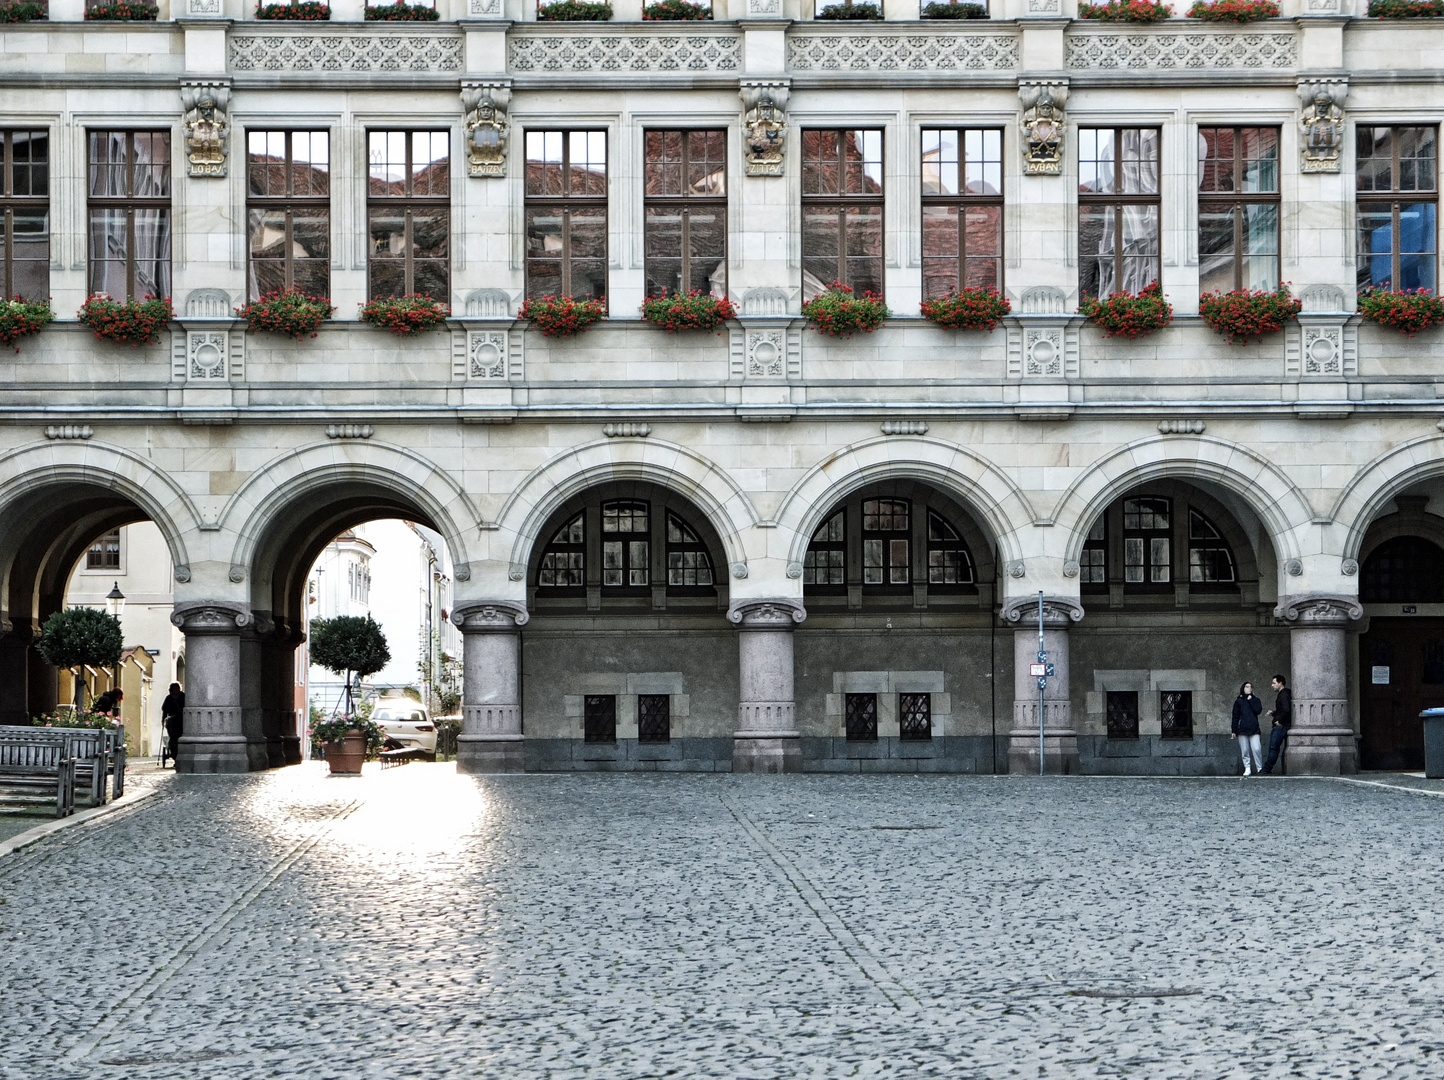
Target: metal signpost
1041	670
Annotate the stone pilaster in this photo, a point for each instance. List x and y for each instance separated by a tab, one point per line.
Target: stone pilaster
15	644
1322	741
215	736
491	731
766	740
1060	737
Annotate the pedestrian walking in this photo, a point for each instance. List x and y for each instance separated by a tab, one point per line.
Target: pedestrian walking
1283	718
1246	709
172	714
108	702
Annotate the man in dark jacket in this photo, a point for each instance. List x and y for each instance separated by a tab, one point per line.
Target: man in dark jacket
1283	716
172	714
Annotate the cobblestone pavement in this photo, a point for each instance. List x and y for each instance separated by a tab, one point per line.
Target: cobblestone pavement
414	923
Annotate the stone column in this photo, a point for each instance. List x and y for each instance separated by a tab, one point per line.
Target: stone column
766	740
259	749
282	672
215	737
491	736
1060	738
1322	741
14	673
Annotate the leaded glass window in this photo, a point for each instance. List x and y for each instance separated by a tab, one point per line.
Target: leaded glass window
599	718
861	717
948	560
915	717
626	544
688	564
1210	561
654	718
564	562
825	564
1175	711
886	540
1147	543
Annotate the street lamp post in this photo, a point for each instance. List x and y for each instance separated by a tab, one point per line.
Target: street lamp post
115	605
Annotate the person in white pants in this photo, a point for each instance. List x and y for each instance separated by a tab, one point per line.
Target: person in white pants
1246	709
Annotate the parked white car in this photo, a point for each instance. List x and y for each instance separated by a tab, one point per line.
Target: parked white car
405	721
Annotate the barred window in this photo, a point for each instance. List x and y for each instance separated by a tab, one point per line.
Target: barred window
1397	191
626	544
564	562
1093	561
1118	207
1238	208
1210	560
599	718
130	214
915	717
25	199
962	209
685	223
1147	543
842	210
861	717
654	718
886	540
1175	710
688	564
288	211
825	564
409	213
104	554
1122	714
949	562
566	214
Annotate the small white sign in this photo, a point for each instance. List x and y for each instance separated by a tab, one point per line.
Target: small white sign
1037	670
1381	675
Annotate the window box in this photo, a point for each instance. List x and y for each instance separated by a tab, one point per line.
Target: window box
838	313
1407	312
694	310
848	11
561	316
134	323
21	317
405	315
675	11
289	311
121	11
24	12
941	9
401	13
575	11
1406	9
1134	11
1235	11
1240	315
968	309
306	11
1126	315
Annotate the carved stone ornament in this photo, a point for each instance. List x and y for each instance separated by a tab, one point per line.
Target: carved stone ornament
1058	612
207	127
461	571
1070	568
1349	568
69	431
486	128
1320	610
490	616
1294	567
764	127
211	617
182	573
1322	123
767	614
1017	568
1043	127
739	570
794	570
237	574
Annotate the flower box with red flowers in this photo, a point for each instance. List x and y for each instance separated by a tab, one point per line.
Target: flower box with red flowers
974	308
1241	315
1126	315
1406	9
694	310
134	322
1134	11
575	11
1407	312
401	13
1234	11
675	11
838	313
122	12
562	316
21	317
850	12
405	315
307	11
288	311
22	12
942	9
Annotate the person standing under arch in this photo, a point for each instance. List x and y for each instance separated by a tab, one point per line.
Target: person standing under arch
1246	709
172	714
1283	717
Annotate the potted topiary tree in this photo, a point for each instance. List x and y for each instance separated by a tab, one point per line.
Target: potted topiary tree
79	637
355	647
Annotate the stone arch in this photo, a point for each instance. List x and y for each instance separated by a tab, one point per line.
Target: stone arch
1389	474
1268	491
547	488
976	483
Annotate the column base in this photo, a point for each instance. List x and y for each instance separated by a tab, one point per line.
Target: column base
1060	754
481	754
213	754
291	750
1327	752
766	752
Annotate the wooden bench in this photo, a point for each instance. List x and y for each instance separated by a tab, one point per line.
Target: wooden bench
391	758
99	755
35	770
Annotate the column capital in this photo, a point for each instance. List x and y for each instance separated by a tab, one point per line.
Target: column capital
490	617
211	617
763	614
1059	612
1319	609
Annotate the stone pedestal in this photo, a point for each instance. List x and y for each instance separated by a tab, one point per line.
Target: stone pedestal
1060	738
491	734
767	739
1322	741
215	737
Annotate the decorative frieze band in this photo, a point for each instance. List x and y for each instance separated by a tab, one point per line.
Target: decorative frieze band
872	51
673	51
1208	51
359	52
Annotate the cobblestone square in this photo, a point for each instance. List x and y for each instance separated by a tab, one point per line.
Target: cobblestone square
414	923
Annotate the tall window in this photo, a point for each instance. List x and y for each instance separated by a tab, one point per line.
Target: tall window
599	718
688	564
915	717
861	717
654	718
288	211
104	554
1093	562
1397	192
626	544
825	563
886	539
686	212
25	198
948	560
842	205
1122	708
962	210
566	213
129	186
1238	208
1118	203
564	562
1175	713
409	213
1147	547
1210	562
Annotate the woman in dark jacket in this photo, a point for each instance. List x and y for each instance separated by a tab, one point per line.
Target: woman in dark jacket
1246	709
172	712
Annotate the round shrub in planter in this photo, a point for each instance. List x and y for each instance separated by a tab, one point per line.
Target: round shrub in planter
838	313
122	11
974	308
21	317
575	11
134	323
1134	11
1406	9
864	12
1234	11
1241	314
695	310
940	9
288	311
1407	312
309	11
24	12
561	316
1126	315
401	13
675	11
405	315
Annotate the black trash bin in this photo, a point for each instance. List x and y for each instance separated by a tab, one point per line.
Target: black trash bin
1433	743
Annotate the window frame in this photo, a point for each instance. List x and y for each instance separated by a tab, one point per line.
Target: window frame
409	203
597	725
567	547
129	203
100	546
1395	197
627	540
649	729
1118	201
859	717
888	538
911	708
957	543
1182	703
10	203
564	203
842	201
288	204
1217	542
685	547
962	200
683	203
1121	699
1238	199
1094	545
830	588
1147	536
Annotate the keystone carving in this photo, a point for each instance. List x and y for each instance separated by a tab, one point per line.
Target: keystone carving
207	127
486	127
764	124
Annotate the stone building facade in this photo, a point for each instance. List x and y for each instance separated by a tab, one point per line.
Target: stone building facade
762	548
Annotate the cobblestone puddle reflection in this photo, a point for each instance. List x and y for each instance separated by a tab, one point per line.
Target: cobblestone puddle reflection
414	923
